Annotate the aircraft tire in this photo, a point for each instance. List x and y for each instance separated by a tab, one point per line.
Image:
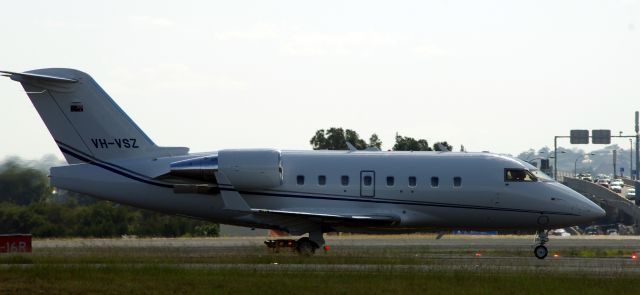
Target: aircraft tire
306	247
540	252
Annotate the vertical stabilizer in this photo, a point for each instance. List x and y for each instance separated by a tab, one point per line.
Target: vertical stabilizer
84	121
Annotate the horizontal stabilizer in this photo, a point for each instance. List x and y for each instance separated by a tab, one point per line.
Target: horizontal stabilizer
23	77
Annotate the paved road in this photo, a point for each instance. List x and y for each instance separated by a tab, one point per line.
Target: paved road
451	253
593	266
624	192
436	254
453	242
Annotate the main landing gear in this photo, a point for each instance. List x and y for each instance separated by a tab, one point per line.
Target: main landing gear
542	237
305	246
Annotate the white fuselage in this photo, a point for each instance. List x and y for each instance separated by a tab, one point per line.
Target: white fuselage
425	190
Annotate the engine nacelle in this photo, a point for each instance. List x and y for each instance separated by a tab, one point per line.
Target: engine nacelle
198	169
251	168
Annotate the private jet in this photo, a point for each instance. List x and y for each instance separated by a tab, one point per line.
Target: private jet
298	192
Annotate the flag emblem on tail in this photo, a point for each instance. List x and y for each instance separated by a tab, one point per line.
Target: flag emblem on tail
77	107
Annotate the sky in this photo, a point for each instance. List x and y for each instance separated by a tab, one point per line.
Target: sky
500	76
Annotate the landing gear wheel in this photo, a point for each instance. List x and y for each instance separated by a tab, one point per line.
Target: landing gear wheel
306	247
540	252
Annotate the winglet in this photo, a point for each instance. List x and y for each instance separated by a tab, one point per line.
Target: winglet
20	77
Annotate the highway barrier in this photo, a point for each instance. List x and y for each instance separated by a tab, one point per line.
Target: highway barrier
606	198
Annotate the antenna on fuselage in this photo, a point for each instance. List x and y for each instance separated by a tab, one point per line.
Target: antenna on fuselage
351	147
442	147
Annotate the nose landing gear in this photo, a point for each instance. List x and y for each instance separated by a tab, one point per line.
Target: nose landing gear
542	237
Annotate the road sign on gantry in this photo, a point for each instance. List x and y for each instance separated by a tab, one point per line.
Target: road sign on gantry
601	136
579	136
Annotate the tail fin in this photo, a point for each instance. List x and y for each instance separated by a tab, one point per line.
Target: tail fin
84	121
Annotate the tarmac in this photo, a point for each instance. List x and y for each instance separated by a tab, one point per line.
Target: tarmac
452	242
450	253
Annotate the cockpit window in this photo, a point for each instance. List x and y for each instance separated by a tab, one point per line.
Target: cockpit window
518	175
541	176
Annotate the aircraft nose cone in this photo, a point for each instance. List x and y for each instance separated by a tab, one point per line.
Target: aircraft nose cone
595	212
590	211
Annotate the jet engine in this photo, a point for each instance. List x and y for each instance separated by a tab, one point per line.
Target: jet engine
245	169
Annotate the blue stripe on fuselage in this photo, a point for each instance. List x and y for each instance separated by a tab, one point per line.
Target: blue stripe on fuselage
129	174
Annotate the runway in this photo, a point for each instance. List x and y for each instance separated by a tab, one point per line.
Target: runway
602	255
449	242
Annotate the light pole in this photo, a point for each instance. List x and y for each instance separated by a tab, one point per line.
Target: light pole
575	164
555	158
631	158
637	147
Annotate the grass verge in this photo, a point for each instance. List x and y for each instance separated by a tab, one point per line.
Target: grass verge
114	279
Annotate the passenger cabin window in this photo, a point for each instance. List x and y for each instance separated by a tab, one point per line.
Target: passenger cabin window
344	180
457	181
412	181
300	179
367	180
519	175
434	181
390	181
322	180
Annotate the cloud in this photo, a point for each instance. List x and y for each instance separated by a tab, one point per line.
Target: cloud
347	43
429	50
257	32
293	41
173	78
151	21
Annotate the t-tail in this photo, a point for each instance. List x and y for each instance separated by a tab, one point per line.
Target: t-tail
85	122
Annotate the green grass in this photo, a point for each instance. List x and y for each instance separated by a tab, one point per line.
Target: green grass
204	270
259	255
115	279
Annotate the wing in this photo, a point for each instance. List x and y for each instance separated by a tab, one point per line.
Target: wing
342	219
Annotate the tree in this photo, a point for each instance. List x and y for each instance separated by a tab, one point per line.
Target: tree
374	141
405	143
319	140
353	138
444	144
336	139
27	205
22	185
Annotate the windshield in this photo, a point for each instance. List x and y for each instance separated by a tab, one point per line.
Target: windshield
518	175
535	171
541	175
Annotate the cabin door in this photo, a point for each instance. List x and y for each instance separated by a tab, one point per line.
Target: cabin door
367	183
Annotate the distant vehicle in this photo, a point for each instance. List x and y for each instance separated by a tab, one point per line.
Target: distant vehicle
612	232
604	177
617	182
585	177
591	230
561	232
631	194
616	185
603	182
616	188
